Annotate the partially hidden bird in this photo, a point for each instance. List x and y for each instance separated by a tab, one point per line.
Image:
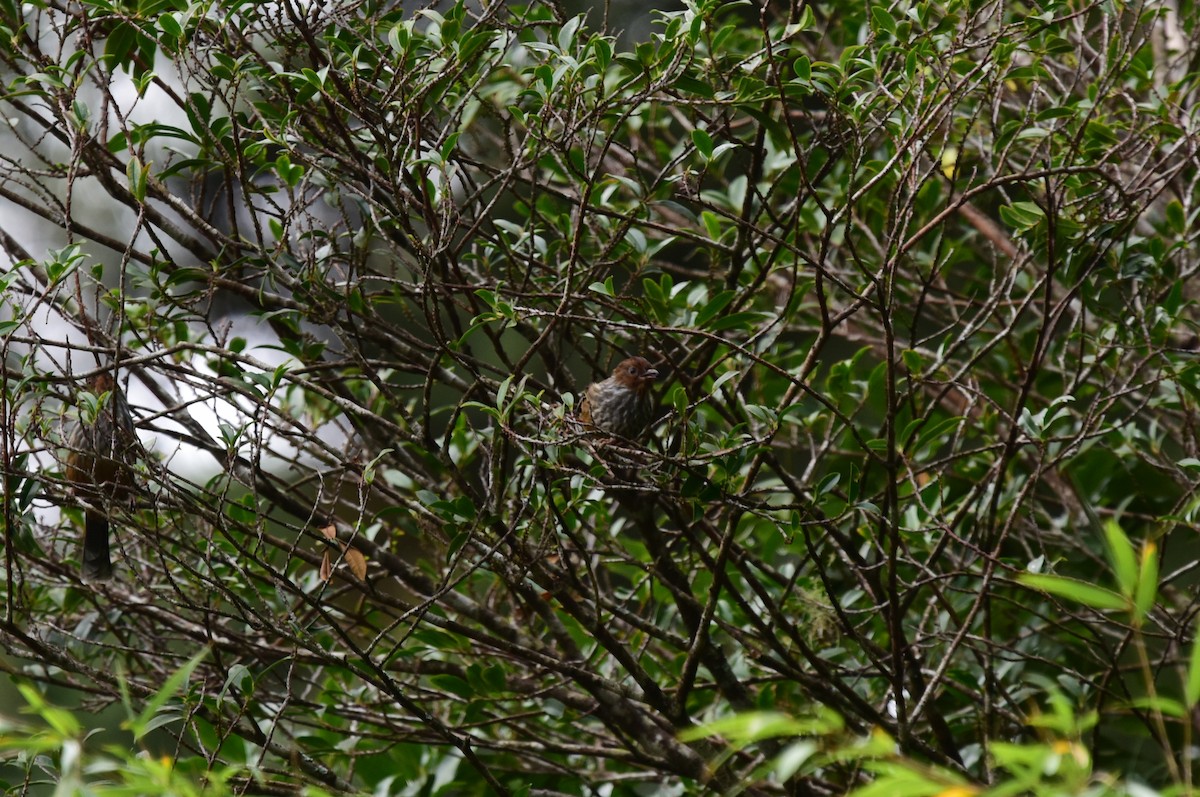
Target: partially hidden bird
99	470
623	404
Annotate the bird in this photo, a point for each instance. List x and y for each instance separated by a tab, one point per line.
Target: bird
622	404
99	470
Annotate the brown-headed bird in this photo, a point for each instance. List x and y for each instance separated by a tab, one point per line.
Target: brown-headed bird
102	450
623	404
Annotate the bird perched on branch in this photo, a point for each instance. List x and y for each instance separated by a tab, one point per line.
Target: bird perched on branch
99	463
623	404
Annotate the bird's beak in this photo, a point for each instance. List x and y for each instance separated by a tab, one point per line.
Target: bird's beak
652	373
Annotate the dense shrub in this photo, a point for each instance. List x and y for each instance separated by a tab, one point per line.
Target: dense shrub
921	484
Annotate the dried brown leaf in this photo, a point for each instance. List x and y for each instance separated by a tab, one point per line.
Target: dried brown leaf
357	563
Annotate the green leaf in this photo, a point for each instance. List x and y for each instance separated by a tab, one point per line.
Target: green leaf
1121	557
316	79
61	720
1191	689
714	306
566	34
448	146
703	142
803	68
653	292
1160	704
690	85
1176	220
756	725
121	44
137	174
745	320
712	224
141	724
603	288
289	172
603	49
1022	216
170	26
883	20
1147	584
1075	590
934	434
788	762
452	684
1174	298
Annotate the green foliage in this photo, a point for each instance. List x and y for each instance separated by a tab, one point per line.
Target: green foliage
919	278
59	744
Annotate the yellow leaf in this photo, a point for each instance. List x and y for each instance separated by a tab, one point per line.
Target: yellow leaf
949	161
958	791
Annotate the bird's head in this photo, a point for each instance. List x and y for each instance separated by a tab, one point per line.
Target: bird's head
635	373
101	382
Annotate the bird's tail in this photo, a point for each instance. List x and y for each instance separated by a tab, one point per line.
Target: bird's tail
97	565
